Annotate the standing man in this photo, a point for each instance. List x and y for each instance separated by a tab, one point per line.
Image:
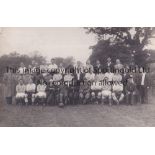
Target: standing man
118	64
98	67
78	78
143	83
9	86
109	63
30	91
52	68
130	90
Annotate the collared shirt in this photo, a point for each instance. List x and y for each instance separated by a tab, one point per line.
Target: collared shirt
41	88
90	77
117	77
109	63
52	66
30	87
118	87
68	77
20	88
78	76
57	77
118	66
96	86
109	76
22	70
143	79
100	77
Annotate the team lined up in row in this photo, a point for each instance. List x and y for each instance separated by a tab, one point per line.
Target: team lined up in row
81	87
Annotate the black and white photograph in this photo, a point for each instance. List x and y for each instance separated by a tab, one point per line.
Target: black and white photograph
77	76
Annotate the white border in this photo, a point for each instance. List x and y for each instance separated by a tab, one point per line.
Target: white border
76	141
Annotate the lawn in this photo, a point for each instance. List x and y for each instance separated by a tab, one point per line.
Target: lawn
78	116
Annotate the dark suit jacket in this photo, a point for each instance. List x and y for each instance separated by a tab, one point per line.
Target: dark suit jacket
98	69
138	79
77	81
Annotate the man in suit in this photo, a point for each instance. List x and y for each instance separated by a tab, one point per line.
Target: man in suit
78	78
143	82
109	63
130	90
98	67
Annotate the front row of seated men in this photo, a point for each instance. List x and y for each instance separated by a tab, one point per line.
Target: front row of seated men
59	90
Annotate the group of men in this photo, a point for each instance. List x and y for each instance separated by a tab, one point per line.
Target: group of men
98	84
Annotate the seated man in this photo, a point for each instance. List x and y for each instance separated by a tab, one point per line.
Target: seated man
21	97
85	88
30	91
56	88
50	91
106	91
96	89
84	92
130	90
68	88
117	94
40	96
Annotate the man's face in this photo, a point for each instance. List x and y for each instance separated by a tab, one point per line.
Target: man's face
98	62
108	70
117	61
61	65
78	63
22	64
141	69
30	81
109	59
52	61
21	82
88	62
130	80
36	64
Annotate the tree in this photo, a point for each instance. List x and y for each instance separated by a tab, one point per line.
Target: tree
126	43
69	61
37	57
14	59
58	60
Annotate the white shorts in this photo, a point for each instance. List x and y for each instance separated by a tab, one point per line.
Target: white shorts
21	95
41	95
106	93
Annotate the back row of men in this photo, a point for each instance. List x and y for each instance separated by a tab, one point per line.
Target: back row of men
82	87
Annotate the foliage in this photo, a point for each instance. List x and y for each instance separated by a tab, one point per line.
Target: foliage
68	61
126	43
14	59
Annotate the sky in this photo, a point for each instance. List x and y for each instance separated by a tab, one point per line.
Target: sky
50	42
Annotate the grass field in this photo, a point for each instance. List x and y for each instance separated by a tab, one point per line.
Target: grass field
78	116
